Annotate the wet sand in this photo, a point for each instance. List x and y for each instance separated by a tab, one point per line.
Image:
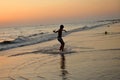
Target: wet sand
89	55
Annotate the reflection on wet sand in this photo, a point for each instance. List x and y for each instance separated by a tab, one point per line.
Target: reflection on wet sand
64	72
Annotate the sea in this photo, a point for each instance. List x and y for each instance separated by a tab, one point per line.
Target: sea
19	36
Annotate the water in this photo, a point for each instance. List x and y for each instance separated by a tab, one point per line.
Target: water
12	37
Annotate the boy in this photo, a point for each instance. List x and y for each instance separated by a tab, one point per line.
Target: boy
60	37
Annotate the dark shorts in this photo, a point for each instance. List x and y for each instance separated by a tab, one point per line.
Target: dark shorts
60	40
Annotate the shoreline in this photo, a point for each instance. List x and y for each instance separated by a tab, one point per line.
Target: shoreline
25	41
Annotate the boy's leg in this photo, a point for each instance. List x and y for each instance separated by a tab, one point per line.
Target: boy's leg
62	44
60	47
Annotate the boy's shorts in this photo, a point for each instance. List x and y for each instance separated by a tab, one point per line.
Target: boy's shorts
60	40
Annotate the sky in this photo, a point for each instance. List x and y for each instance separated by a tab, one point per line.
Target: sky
56	11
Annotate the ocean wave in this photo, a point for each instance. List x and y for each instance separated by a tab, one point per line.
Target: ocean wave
38	38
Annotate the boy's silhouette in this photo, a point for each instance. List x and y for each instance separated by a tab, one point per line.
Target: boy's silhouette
60	37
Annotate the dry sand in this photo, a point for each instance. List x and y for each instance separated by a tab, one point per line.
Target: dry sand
89	55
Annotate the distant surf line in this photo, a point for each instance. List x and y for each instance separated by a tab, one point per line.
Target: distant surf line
19	42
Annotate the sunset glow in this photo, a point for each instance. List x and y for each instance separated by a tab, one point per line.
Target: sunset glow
52	11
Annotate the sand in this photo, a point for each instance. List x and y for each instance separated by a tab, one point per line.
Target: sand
88	55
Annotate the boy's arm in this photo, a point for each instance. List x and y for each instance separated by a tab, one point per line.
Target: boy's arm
64	30
55	31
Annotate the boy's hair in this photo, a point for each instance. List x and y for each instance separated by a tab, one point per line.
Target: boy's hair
61	26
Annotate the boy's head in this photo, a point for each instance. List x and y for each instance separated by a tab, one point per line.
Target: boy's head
61	26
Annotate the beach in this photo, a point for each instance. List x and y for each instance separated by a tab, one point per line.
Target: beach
89	55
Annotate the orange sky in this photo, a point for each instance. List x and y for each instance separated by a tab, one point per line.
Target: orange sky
46	11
